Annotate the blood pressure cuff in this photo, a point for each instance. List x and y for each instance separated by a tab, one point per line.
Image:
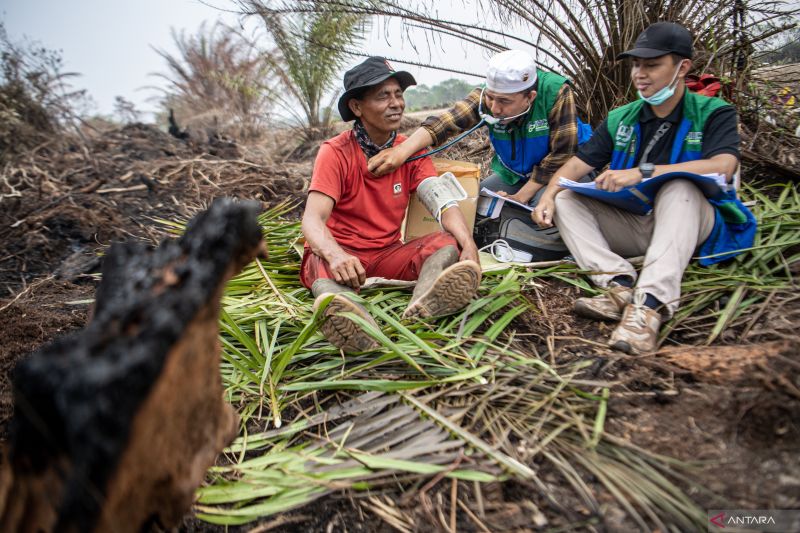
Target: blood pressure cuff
437	193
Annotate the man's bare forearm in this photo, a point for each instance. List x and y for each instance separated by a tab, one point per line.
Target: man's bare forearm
527	191
319	238
573	170
453	222
719	164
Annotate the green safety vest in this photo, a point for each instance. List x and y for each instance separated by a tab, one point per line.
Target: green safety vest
522	144
623	126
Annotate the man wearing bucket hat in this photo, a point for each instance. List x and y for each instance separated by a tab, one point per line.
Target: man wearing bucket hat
668	129
532	123
352	217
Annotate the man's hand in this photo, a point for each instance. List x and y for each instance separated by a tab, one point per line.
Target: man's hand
470	251
392	158
616	180
387	160
544	211
347	269
524	194
517	197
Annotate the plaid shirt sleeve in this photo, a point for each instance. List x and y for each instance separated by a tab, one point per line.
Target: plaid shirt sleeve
563	136
462	116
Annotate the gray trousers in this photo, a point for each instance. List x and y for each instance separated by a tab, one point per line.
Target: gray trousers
600	236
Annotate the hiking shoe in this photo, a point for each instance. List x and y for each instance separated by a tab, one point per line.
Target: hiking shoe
637	332
606	306
450	292
340	330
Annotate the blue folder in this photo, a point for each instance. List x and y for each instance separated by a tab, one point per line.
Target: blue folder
639	198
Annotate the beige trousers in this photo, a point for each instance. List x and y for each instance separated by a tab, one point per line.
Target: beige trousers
600	236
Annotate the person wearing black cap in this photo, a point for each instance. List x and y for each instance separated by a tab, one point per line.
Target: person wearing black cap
668	129
352	218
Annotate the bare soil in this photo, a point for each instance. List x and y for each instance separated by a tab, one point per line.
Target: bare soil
732	411
739	426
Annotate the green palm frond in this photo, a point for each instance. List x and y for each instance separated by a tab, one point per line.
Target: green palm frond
364	443
728	297
310	52
461	396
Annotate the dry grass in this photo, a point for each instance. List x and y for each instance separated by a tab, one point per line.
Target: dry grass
218	82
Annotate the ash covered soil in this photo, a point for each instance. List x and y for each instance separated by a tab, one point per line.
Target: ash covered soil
731	410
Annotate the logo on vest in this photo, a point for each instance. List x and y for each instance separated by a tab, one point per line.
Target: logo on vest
398	188
538	125
694	137
624	134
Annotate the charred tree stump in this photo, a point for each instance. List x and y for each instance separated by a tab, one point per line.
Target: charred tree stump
115	426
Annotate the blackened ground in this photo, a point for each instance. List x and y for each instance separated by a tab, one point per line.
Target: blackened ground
76	201
40	315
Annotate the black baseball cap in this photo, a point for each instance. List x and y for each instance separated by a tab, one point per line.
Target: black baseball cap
373	71
660	39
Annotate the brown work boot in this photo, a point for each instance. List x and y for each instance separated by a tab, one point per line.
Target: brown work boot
637	332
444	285
338	329
606	306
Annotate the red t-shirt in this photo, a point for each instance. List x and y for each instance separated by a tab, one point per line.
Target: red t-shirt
369	209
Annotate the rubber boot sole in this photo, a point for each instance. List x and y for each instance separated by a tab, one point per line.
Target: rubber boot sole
340	330
451	292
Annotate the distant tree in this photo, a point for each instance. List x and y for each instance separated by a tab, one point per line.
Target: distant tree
218	80
418	97
451	90
311	49
440	95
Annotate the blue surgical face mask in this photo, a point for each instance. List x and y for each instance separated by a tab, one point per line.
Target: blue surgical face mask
489	119
664	94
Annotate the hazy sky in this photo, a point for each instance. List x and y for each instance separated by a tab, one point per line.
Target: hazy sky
109	42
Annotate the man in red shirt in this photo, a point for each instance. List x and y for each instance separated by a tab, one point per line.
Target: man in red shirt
352	218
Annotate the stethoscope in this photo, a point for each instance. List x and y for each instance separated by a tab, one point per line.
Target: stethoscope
485	119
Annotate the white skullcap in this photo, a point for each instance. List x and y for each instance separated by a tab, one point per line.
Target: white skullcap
511	71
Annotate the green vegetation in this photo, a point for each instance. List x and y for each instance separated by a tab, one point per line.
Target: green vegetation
440	95
462	397
311	49
727	300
